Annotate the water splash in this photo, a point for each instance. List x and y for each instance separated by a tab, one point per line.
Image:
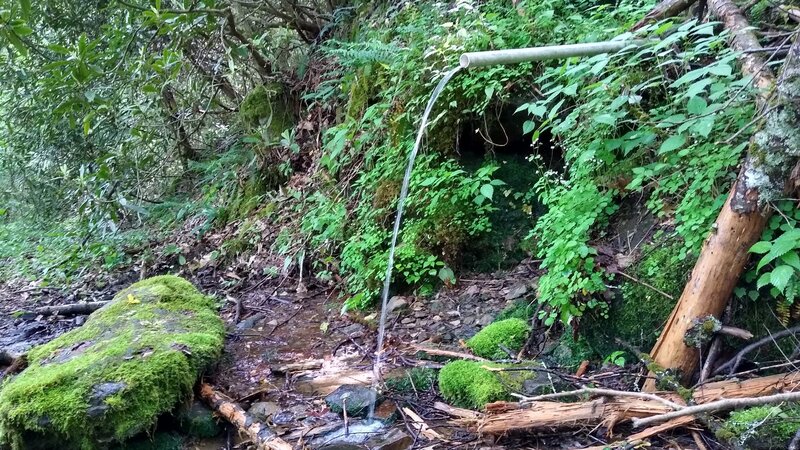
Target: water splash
376	367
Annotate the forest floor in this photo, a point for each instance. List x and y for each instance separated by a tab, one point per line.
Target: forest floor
288	346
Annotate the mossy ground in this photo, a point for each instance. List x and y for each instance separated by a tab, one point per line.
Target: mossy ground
417	379
762	427
151	342
510	333
467	384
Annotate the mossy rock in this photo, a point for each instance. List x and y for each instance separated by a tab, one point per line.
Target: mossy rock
509	333
134	360
761	427
469	384
198	421
267	105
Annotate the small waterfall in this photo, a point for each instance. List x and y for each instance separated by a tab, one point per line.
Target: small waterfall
376	367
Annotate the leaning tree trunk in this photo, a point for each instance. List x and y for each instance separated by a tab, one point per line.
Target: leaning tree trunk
772	154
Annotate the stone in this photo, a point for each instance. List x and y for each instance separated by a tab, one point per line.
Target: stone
484	320
517	291
109	380
262	411
198	421
352	329
284	417
407	321
396	303
79	320
386	412
394	439
354	397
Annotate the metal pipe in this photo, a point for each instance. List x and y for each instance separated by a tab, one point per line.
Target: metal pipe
497	57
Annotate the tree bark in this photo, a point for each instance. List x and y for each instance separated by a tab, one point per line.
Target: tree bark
667	8
772	154
72	308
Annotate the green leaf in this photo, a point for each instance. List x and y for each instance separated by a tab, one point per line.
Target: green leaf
792	259
696	105
528	126
607	119
761	247
780	276
26	8
487	190
723	70
489	91
16	42
673	143
763	280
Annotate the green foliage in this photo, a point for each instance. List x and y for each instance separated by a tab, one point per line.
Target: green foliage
467	384
510	333
154	338
612	112
521	309
417	379
778	269
761	427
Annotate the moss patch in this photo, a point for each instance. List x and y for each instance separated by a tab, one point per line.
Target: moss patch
418	379
109	380
762	427
266	105
467	384
520	309
510	333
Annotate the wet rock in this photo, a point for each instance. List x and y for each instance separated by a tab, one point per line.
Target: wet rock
352	329
355	398
80	320
283	417
198	421
250	322
131	362
396	303
517	291
472	293
394	439
262	411
386	412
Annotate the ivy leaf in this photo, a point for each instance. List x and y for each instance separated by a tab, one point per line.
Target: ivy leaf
487	190
780	276
673	143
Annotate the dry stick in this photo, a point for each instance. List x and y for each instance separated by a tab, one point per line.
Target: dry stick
720	405
451	354
713	352
733	364
259	434
645	284
597	391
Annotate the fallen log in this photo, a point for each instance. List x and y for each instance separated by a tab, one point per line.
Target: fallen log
259	434
448	353
772	154
70	309
667	8
608	412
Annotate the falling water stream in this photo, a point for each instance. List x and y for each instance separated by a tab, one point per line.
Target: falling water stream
376	367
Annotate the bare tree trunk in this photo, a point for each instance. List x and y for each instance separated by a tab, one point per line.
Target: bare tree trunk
772	154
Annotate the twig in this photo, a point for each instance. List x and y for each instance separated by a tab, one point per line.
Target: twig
713	352
596	391
451	354
733	364
645	284
720	405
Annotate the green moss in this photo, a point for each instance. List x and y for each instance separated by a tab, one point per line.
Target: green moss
638	313
408	381
467	384
266	105
571	352
520	309
132	361
511	333
761	427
